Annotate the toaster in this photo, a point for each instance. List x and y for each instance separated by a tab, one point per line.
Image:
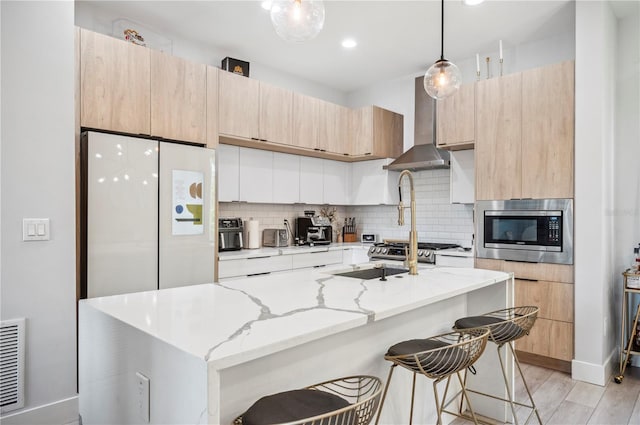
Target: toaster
275	237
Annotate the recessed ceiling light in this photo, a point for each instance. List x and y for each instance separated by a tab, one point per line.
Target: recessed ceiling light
472	2
349	43
266	4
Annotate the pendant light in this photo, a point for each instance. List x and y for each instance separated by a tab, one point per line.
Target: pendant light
297	20
443	78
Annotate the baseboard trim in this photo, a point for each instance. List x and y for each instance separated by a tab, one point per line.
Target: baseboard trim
598	374
543	361
59	412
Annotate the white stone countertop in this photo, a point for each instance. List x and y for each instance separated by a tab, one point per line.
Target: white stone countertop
287	250
237	321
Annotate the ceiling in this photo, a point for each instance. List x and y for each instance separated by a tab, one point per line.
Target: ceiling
395	38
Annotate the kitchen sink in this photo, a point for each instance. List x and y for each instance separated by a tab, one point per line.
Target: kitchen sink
372	273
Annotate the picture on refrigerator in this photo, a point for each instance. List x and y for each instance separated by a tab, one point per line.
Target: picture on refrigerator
148	214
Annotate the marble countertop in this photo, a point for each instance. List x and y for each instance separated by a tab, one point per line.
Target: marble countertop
287	250
237	321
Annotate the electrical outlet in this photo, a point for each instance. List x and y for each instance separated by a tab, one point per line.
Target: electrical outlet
142	397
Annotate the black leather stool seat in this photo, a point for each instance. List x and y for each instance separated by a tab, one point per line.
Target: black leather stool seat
502	330
423	356
290	406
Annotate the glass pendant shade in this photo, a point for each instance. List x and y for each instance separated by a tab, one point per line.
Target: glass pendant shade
297	20
442	79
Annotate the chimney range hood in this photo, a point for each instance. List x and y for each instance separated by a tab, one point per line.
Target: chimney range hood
423	155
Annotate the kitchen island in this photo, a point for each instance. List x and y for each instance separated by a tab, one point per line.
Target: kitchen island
211	350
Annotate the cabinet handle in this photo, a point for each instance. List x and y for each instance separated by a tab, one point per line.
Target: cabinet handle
317	267
263	140
255	138
526	279
258	258
258	274
367	153
517	261
316	149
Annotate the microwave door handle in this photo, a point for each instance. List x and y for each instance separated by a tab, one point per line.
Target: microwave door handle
221	238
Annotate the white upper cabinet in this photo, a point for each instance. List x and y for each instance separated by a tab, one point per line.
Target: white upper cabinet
286	178
336	185
373	185
256	171
311	180
462	177
228	173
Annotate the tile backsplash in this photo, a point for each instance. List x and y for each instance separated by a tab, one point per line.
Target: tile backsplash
436	219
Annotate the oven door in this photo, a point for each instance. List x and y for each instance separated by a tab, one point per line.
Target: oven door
526	230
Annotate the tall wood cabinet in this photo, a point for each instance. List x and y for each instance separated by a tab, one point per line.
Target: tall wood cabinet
524	134
115	84
239	105
455	119
550	287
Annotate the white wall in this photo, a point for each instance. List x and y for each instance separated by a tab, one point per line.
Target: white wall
38	180
91	16
594	136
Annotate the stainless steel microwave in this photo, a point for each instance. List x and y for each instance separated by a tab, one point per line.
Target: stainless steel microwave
531	230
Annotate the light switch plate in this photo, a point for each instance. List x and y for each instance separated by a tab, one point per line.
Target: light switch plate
35	229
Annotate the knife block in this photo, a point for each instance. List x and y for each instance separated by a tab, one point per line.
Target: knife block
350	237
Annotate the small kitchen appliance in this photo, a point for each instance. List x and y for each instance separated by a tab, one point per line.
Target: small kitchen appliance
275	237
530	230
313	231
398	250
229	234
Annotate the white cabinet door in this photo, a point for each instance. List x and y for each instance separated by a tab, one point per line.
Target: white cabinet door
256	171
286	178
373	185
316	259
336	182
311	180
462	177
228	173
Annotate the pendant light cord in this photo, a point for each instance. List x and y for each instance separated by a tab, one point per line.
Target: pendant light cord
442	30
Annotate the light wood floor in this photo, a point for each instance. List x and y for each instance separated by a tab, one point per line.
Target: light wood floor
563	401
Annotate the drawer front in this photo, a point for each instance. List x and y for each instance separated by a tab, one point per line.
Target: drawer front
454	261
315	259
250	266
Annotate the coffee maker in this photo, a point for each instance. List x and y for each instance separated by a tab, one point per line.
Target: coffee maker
311	230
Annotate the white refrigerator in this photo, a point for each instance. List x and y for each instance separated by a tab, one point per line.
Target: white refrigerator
148	214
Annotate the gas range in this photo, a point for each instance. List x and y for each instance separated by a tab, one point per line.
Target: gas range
397	250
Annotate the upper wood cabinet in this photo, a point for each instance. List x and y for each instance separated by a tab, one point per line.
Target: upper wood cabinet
178	98
276	111
115	84
498	138
376	132
548	131
306	122
455	119
333	132
239	105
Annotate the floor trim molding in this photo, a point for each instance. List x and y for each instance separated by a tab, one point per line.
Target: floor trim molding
59	412
598	374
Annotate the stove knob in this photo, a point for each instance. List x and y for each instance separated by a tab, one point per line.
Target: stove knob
420	253
372	250
378	250
384	250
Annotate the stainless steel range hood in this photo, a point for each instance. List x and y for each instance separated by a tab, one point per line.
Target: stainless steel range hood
423	155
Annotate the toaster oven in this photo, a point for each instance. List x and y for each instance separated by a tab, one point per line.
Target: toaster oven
275	237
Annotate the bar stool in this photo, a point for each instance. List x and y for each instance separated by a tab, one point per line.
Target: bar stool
505	326
351	400
437	358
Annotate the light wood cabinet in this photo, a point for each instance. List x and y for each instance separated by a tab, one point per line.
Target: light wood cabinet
548	131
455	119
333	132
115	80
525	134
238	106
306	121
276	114
178	98
212	107
376	132
498	138
551	337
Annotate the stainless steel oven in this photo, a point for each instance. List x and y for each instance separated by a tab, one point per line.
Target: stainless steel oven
531	230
